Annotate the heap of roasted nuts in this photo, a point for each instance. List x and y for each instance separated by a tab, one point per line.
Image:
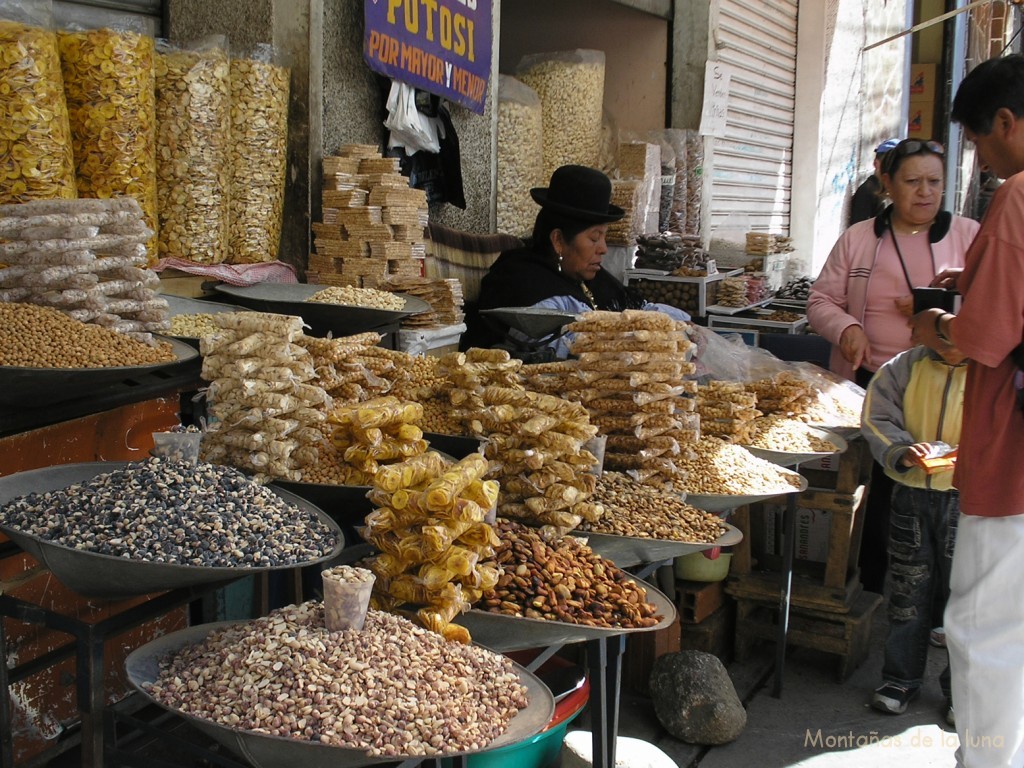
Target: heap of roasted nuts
563	581
358	297
436	548
181	513
391	689
731	470
261	395
781	433
639	510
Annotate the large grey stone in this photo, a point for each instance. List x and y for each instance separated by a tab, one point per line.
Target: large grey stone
577	752
694	698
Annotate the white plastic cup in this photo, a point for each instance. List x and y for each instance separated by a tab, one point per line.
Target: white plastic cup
346	597
177	446
596	445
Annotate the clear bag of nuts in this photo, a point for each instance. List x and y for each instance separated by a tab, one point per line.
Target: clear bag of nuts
109	86
258	146
193	109
520	155
570	85
37	163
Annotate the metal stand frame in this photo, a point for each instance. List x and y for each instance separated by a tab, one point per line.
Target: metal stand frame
88	650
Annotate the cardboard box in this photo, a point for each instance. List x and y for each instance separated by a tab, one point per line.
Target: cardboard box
813	529
921	120
922	82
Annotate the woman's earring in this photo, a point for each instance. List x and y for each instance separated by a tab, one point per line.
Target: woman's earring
559	262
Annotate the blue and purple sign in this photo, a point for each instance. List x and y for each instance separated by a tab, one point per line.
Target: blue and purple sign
440	46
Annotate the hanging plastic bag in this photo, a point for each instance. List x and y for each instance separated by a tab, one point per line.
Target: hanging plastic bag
410	128
109	84
38	163
438	174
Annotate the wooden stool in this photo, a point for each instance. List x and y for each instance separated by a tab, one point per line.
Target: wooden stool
843	634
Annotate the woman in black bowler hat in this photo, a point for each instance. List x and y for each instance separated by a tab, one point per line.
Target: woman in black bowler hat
561	262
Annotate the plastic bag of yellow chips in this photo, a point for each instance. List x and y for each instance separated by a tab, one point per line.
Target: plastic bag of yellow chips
36	160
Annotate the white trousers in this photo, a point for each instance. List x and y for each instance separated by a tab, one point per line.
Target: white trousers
985	636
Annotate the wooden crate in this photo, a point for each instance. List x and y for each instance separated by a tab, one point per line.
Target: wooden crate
845	635
806	592
817	585
844	472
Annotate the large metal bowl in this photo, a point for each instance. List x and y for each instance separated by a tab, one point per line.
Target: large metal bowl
182	305
720	502
504	633
104	576
264	751
336	319
535	322
20	385
793	458
627	551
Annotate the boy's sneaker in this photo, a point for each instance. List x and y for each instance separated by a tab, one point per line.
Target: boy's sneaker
893	698
937	637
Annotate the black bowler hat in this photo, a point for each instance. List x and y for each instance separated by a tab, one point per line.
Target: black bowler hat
580	193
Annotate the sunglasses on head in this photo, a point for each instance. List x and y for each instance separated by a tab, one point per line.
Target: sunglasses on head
909	147
913	146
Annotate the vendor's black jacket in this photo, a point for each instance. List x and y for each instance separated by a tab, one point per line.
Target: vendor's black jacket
521	278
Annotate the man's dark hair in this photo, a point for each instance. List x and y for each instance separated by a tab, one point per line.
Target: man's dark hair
989	87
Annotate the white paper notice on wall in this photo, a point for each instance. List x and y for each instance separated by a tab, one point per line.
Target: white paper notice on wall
717	77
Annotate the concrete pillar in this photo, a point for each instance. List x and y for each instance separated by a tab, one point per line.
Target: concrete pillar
690	27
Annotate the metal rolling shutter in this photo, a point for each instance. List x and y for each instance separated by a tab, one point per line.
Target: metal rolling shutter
751	168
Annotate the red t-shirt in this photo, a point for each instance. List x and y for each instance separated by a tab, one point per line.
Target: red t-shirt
989	325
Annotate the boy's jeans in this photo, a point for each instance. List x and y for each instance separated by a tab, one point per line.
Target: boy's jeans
922	532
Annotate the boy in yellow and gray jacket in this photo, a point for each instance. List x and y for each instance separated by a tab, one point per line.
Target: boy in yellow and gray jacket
914	404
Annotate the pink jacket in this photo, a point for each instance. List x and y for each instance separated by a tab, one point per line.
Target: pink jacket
839	295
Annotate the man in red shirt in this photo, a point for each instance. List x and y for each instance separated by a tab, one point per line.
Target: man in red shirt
985	613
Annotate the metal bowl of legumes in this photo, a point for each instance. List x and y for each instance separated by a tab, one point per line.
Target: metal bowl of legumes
119	529
283	691
341	311
25	385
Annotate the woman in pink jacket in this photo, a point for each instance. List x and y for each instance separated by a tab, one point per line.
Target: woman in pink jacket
862	298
